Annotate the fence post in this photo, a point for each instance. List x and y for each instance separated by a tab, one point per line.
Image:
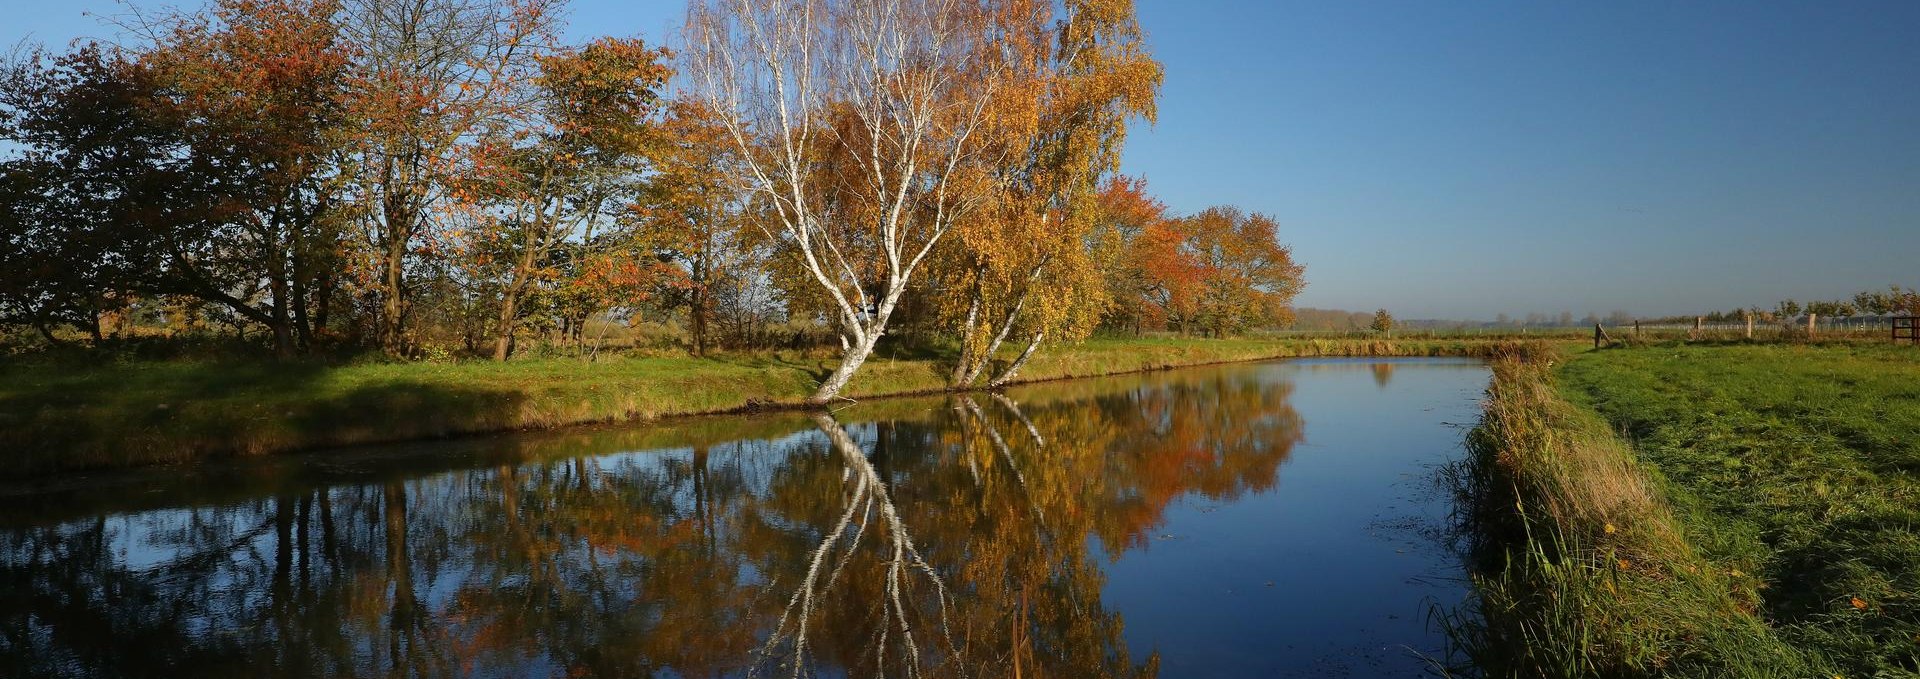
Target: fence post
1810	318
1748	316
1636	328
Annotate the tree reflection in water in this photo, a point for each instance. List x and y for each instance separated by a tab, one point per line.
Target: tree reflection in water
954	538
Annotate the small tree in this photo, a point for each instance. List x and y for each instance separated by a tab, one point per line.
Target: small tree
1788	310
1873	302
1383	322
1904	301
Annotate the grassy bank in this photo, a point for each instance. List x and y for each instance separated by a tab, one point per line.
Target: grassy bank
1797	464
1704	511
60	416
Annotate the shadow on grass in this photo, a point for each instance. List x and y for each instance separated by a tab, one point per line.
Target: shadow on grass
817	372
60	417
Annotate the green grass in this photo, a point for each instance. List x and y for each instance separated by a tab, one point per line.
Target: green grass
1581	567
1795	465
67	415
1706	509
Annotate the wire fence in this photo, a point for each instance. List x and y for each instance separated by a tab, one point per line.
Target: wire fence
1850	327
1858	327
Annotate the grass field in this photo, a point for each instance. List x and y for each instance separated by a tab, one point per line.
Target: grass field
64	415
1748	510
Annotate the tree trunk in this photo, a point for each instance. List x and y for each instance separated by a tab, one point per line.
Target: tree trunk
978	363
277	289
697	315
851	357
503	341
1013	370
322	300
510	300
964	363
302	287
393	282
46	331
392	303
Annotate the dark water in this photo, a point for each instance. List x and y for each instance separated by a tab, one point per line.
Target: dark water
1280	519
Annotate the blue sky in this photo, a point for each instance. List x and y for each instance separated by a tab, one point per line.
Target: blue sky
1466	159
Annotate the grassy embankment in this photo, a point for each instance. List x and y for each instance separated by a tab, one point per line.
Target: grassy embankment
66	415
1696	510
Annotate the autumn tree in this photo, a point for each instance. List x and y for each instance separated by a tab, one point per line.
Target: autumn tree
258	90
1027	263
1382	322
1123	211
1220	271
428	75
89	170
698	218
552	169
1172	275
195	164
1251	278
890	93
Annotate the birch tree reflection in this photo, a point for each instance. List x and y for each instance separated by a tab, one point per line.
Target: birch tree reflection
960	537
893	640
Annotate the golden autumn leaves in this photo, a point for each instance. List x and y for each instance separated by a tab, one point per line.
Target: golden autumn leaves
378	173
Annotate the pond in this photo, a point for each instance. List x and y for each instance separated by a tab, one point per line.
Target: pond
1269	519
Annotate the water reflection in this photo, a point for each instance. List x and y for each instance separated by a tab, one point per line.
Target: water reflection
932	537
1382	374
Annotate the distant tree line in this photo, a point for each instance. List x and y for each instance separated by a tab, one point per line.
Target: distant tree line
331	175
1311	319
1894	301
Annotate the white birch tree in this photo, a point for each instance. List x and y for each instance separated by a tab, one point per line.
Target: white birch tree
857	121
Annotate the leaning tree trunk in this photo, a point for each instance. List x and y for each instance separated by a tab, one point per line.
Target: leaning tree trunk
852	356
979	362
972	365
962	367
1013	370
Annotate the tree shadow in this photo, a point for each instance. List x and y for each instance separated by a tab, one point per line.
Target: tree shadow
61	417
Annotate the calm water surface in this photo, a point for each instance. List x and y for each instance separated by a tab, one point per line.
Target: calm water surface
1278	519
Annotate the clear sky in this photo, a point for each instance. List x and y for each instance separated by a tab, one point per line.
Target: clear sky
1460	160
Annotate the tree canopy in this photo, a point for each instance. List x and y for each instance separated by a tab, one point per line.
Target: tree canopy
447	178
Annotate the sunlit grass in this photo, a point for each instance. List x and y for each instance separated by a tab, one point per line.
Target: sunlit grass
1672	509
1582	567
1795	465
65	414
